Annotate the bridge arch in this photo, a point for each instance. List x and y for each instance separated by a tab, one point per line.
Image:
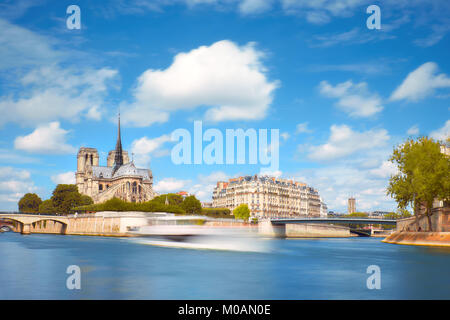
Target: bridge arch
27	223
17	224
41	225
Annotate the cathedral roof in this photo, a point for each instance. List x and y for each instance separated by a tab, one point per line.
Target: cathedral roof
128	169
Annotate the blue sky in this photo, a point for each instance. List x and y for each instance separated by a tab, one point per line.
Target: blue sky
341	95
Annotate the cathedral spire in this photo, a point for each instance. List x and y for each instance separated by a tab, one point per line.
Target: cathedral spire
118	158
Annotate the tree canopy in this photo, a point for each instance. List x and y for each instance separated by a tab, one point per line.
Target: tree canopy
47	207
242	212
29	203
66	197
192	205
424	175
172	198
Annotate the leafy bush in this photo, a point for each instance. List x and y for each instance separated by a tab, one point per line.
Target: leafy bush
217	213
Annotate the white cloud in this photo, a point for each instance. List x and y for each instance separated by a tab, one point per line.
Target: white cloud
64	178
353	98
344	141
10	156
431	16
31	50
213	177
285	135
47	90
413	131
386	169
144	147
302	128
228	79
167	185
339	8
421	83
14	183
45	139
442	133
51	93
94	113
267	172
317	17
205	185
254	6
337	182
438	32
12	173
353	36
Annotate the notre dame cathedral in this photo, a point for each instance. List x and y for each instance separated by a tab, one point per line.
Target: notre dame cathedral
120	178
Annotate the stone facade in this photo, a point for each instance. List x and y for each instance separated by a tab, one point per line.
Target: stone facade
120	178
269	197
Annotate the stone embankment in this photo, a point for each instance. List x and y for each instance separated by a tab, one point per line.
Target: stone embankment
440	239
410	231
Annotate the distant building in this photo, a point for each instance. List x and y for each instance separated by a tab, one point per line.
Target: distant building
323	209
120	178
379	213
207	205
351	205
268	197
445	150
184	194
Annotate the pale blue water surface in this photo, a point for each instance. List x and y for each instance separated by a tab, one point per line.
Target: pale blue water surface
34	267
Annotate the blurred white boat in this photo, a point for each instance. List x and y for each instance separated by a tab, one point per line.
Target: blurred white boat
189	232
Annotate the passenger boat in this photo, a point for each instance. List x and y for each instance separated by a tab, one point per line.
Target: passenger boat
191	232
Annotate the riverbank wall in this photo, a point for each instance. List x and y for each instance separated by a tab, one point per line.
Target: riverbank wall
412	231
440	220
307	230
439	239
107	224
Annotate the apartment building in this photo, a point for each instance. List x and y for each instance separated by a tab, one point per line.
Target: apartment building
269	197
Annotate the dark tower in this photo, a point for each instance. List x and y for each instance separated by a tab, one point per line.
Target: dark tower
118	159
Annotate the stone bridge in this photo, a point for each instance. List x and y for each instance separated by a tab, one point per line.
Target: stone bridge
27	221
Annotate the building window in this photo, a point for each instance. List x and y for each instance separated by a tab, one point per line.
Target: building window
134	187
100	187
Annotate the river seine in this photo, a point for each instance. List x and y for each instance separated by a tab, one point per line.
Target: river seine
34	267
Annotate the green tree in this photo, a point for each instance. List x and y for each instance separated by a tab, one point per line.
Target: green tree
29	203
173	198
192	205
86	200
47	207
357	215
424	175
242	212
65	197
403	213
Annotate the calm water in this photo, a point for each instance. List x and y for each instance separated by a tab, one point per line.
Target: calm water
34	267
